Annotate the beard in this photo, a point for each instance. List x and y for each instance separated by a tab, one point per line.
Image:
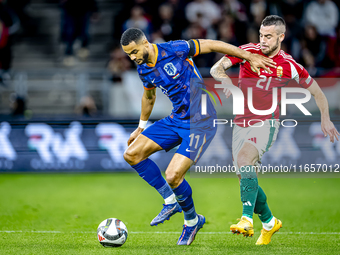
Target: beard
145	57
271	50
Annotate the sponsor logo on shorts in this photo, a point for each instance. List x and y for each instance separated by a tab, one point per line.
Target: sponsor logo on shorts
253	139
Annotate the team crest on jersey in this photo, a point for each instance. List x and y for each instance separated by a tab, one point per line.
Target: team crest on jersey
170	69
279	71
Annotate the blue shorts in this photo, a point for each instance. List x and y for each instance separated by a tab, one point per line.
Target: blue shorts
193	139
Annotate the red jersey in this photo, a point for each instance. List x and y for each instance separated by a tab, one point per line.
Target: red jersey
286	71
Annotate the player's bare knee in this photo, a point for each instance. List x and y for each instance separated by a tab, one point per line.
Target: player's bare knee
128	157
173	178
131	157
244	159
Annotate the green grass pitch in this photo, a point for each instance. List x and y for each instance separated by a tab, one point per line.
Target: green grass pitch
59	214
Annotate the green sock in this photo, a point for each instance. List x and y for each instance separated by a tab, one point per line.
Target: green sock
249	186
261	206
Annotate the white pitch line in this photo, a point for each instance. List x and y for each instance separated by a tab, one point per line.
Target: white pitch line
223	233
142	232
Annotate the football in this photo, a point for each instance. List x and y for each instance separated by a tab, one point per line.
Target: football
112	233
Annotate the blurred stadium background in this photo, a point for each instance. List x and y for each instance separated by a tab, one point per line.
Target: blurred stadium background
70	104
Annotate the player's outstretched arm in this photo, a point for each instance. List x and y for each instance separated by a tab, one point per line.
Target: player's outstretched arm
148	101
218	72
327	125
255	60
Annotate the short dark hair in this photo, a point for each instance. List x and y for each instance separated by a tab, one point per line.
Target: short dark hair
131	35
273	20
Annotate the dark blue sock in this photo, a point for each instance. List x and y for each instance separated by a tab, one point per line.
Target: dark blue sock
184	197
149	171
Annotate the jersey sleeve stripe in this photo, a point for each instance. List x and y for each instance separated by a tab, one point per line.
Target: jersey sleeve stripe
309	80
294	73
249	49
247	45
192	64
197	46
149	88
250	46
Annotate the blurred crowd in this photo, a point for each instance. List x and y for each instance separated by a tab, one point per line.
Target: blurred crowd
312	37
76	16
75	19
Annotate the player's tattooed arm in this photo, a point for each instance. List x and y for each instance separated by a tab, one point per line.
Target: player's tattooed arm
327	125
218	71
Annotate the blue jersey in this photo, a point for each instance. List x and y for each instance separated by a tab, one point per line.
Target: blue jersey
177	76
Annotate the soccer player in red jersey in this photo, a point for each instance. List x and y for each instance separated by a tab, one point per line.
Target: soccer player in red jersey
250	142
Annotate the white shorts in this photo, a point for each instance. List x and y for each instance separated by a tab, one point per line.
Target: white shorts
261	137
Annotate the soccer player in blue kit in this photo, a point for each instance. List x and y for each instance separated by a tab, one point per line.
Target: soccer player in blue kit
169	67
